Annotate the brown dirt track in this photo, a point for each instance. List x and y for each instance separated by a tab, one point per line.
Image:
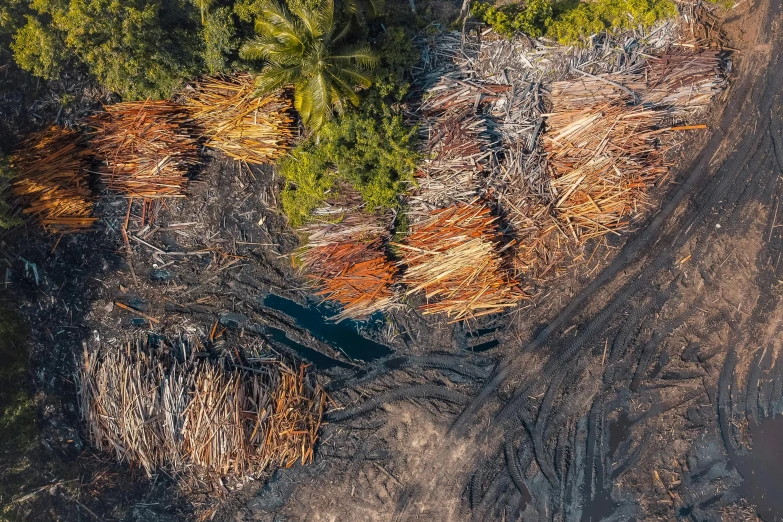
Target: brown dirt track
647	398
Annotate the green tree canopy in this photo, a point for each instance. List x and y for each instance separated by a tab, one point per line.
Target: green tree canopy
303	47
137	48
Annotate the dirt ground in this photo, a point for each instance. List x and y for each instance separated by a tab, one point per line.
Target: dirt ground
636	389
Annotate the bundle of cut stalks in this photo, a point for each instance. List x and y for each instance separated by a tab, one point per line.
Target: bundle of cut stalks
602	161
234	120
145	149
456	258
348	261
52	180
680	83
685	83
158	406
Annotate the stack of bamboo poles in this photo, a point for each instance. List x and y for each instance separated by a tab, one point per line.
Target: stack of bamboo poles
52	181
348	261
146	150
234	120
456	258
158	406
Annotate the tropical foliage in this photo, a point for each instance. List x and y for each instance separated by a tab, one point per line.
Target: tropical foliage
6	219
138	48
370	148
307	46
572	22
533	19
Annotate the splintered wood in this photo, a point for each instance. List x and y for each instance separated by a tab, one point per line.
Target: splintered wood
607	136
683	84
566	142
455	258
602	160
52	180
234	120
146	151
348	261
158	406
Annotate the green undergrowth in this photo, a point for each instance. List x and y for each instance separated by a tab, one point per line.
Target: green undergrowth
572	22
7	220
18	431
369	149
17	425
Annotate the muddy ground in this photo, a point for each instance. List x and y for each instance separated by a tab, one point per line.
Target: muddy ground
642	386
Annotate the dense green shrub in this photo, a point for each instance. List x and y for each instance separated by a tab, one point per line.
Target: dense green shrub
39	51
533	18
220	42
594	17
138	48
12	16
373	155
571	22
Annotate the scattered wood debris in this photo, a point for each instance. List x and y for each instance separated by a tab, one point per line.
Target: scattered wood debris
145	148
234	120
567	141
455	257
52	180
161	405
349	262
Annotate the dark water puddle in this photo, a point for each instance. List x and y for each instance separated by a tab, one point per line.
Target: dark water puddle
762	469
618	432
319	360
344	336
483	347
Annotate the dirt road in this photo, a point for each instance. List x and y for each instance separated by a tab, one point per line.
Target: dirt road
651	396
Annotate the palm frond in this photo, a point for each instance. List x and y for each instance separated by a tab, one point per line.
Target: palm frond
353	76
343	87
274	76
308	17
325	16
303	101
343	34
361	55
282	52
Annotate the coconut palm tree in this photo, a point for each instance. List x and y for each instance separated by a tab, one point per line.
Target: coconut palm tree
302	47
